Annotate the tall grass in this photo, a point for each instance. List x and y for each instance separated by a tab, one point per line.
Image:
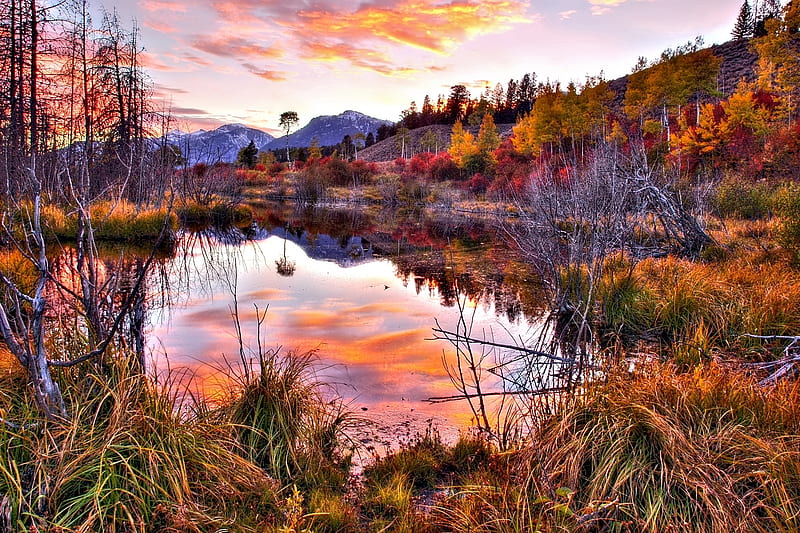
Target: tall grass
128	459
707	451
286	424
692	309
131	457
112	221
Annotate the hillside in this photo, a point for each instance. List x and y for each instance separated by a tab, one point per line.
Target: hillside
390	149
738	63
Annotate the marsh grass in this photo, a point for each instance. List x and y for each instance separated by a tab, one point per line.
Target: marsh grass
214	213
692	310
128	458
285	423
704	451
418	472
112	221
133	457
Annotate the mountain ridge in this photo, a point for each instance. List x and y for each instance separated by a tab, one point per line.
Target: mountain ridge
222	145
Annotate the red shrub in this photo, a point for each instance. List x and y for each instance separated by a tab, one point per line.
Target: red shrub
442	168
420	164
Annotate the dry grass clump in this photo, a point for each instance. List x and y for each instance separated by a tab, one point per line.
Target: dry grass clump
128	459
693	309
706	451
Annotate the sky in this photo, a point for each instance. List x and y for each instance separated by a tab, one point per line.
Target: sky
216	62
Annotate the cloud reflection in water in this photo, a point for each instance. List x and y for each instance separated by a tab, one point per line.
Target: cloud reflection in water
369	328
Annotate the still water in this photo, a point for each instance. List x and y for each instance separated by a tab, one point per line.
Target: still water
365	300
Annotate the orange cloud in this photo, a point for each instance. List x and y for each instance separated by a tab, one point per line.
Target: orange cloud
164	5
600	7
424	24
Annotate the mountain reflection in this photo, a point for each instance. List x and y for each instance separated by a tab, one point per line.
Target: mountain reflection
365	294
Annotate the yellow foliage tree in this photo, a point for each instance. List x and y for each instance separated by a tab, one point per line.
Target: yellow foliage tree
462	144
524	136
742	111
779	56
488	138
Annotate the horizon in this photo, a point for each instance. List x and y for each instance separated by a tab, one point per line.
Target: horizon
377	56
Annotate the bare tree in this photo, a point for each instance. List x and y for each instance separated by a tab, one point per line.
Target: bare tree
92	74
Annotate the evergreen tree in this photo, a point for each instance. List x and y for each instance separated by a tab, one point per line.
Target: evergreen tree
745	23
247	156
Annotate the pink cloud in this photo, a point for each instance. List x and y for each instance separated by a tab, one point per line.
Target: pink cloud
236	47
160	27
269	75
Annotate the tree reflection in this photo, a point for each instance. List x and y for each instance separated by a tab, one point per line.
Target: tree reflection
284	266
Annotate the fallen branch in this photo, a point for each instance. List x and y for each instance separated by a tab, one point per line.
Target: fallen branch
457	397
451	336
787	365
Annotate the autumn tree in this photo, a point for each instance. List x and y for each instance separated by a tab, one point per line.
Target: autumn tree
481	159
779	57
462	145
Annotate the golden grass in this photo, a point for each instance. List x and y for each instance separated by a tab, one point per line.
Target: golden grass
659	450
112	221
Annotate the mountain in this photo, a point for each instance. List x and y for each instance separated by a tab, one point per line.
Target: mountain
219	145
329	130
223	144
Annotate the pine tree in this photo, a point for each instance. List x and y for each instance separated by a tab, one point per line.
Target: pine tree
246	158
744	23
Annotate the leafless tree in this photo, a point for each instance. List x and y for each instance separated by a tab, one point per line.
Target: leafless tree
93	83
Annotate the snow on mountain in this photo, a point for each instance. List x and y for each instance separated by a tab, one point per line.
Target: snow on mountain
223	144
329	130
219	145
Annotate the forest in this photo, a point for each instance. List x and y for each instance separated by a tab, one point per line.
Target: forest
658	217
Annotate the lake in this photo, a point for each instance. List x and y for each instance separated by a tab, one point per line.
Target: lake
362	289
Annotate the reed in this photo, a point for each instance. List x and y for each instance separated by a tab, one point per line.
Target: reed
112	221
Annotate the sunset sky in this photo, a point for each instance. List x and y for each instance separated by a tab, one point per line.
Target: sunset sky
247	61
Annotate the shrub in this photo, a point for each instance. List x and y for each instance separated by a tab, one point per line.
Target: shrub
420	164
787	206
442	168
739	199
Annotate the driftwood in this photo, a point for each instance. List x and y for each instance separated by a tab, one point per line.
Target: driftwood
786	366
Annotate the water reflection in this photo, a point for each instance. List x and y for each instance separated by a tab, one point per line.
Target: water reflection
363	294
